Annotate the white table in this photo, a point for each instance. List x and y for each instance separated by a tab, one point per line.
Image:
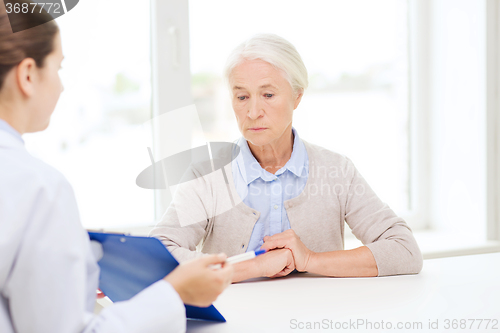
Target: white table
448	289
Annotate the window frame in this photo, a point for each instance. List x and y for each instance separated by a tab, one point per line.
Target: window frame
171	77
493	119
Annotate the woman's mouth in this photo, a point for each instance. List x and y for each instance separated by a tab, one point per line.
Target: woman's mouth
257	129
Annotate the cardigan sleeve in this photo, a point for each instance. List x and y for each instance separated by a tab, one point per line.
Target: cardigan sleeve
184	224
387	236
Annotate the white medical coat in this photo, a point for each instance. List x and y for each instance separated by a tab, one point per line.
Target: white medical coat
48	273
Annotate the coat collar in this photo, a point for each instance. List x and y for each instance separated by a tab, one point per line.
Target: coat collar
7	140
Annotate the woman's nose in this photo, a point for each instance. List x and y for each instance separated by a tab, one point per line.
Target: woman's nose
255	109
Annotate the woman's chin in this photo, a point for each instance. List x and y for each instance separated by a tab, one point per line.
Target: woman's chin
256	141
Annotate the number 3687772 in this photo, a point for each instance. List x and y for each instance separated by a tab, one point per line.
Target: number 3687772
26	8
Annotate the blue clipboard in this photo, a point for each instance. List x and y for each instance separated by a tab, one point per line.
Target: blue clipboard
130	264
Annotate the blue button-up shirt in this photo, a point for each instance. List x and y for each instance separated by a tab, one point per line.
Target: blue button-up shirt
265	192
4	126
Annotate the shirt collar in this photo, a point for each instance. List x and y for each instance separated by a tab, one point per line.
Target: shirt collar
4	126
251	170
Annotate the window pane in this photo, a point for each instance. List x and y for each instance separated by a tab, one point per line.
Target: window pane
356	56
96	137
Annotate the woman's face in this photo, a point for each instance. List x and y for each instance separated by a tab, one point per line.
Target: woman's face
48	88
263	101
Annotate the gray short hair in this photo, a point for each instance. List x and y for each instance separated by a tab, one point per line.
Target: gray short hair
274	50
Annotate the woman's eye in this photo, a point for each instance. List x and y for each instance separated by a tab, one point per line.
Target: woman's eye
241	98
269	95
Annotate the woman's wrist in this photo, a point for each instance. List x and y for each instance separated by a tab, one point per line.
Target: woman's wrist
246	270
311	260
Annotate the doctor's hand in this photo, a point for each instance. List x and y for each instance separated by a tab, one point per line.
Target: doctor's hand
288	239
197	283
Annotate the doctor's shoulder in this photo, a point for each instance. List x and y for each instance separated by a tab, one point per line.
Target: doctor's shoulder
24	173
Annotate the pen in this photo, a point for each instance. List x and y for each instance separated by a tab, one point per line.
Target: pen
240	257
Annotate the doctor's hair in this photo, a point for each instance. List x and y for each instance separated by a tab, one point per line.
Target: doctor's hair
276	51
36	43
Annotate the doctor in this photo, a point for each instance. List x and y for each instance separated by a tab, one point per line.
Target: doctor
48	274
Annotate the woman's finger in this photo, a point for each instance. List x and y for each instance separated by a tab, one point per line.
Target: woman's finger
270	245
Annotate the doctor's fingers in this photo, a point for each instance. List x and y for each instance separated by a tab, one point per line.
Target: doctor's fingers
224	275
212	259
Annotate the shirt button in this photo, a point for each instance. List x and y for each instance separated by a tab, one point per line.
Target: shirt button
275	206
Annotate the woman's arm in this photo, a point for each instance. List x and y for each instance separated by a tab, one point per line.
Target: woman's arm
357	262
385	234
350	263
390	247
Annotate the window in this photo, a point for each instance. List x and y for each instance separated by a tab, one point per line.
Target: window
96	137
454	127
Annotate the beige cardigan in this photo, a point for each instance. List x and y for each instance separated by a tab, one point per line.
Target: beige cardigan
204	211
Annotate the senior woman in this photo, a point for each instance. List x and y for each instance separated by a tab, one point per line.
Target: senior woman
292	197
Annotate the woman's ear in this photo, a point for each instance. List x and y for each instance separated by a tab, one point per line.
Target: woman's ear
26	73
299	94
